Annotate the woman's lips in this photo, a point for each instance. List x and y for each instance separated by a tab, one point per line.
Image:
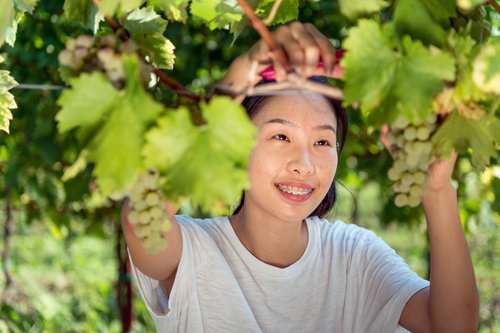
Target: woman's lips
295	192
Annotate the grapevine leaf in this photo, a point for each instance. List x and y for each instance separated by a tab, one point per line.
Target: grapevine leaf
7	19
172	136
486	72
370	65
287	11
424	20
26	5
7	101
176	10
389	80
110	7
481	136
122	134
146	28
217	13
465	51
83	11
89	100
213	169
355	8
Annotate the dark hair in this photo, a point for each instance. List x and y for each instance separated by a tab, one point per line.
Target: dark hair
253	104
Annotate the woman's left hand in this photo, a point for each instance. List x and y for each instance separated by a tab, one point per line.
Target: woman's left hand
439	173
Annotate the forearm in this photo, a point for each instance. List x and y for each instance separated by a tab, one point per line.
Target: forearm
453	304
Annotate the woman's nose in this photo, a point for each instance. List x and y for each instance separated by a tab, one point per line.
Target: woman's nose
301	162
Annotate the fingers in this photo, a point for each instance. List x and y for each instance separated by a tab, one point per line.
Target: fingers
326	48
299	47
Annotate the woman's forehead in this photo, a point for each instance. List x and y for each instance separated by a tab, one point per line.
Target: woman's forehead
300	108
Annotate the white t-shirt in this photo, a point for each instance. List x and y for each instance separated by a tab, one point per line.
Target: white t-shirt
347	280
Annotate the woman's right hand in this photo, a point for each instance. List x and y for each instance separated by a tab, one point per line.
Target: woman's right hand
299	46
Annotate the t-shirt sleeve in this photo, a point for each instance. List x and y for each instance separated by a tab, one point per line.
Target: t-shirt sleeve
386	283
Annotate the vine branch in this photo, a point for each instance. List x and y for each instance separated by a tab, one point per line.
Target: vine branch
495	5
263	31
164	77
7	236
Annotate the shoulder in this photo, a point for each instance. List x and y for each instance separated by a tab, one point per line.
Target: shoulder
201	231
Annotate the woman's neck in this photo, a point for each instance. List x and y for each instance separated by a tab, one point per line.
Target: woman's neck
277	243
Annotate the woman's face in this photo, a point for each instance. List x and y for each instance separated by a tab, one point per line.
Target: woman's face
294	162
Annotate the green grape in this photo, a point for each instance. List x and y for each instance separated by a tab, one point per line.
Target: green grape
401	200
423	133
410	133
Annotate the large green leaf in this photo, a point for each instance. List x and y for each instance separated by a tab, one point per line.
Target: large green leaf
208	163
482	136
116	148
26	5
83	11
287	11
110	7
172	136
354	8
425	20
217	13
91	98
7	101
392	78
176	10
146	28
7	19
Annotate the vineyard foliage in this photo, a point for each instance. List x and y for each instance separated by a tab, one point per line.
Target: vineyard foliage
137	97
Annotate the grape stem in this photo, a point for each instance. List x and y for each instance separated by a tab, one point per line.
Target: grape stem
495	5
164	77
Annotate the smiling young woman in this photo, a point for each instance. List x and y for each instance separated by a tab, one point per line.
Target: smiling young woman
275	265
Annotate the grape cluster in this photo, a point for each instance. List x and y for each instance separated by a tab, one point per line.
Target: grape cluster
148	213
73	56
86	54
412	153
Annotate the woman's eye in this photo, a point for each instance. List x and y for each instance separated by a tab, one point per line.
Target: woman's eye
280	137
323	143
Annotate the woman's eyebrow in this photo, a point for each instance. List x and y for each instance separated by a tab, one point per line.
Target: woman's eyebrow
289	123
280	121
326	127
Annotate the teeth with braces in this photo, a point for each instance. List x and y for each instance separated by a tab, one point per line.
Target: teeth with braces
294	190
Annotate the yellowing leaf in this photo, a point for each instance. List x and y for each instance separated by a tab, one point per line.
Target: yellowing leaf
7	101
110	7
354	8
486	73
7	19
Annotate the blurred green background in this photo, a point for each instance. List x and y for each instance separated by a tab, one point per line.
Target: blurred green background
62	254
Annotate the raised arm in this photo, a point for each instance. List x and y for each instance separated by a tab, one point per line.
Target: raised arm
162	265
451	302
